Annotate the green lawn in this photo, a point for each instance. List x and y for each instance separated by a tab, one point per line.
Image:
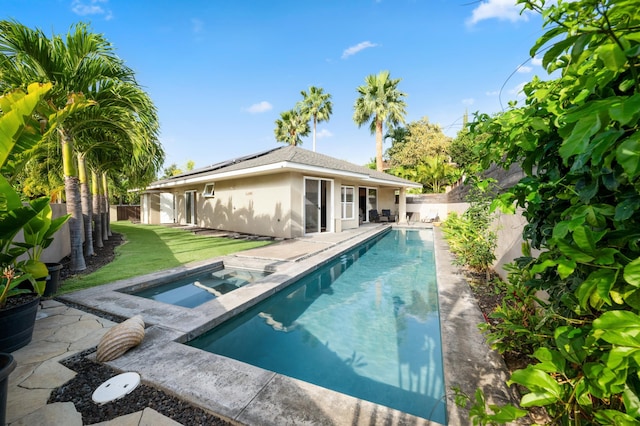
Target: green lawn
151	248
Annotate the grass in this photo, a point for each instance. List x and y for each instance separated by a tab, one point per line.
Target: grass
151	248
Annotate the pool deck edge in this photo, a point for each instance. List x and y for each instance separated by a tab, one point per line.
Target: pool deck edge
469	363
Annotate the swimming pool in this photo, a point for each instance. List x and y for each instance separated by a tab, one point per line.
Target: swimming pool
192	291
365	324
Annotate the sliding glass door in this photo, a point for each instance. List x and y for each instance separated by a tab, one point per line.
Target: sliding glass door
367	201
318	209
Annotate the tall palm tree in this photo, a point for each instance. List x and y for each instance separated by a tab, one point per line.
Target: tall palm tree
291	126
317	105
75	64
87	208
379	102
124	122
97	216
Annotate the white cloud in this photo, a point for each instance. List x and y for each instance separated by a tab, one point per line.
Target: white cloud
536	61
524	69
357	48
324	133
197	26
91	7
494	93
504	10
468	101
260	107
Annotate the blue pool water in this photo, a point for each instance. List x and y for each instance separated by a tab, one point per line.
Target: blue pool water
195	290
366	325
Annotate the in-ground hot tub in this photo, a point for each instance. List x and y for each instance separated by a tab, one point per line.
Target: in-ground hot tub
194	290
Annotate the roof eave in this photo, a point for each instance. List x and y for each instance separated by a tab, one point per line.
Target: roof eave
283	166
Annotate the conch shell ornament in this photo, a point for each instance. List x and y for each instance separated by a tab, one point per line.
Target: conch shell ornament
120	338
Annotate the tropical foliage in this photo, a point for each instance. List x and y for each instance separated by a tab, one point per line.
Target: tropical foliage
317	105
471	236
577	140
103	121
379	102
291	126
20	130
465	152
416	142
419	152
174	170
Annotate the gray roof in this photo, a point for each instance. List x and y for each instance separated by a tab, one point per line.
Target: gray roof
292	154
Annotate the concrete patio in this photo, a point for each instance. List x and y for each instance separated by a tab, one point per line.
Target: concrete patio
234	390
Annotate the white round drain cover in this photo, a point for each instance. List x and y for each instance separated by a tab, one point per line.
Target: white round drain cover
116	387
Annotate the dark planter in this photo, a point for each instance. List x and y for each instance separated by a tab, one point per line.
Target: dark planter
53	279
16	324
7	365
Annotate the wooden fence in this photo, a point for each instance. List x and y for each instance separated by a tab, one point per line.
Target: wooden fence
131	213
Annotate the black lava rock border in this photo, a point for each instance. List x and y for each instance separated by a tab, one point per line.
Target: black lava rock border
90	375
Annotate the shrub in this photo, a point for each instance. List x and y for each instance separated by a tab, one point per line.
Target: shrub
577	140
470	237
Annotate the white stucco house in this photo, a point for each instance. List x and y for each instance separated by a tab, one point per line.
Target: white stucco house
284	192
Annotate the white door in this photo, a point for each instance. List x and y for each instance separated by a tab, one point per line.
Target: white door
167	208
145	209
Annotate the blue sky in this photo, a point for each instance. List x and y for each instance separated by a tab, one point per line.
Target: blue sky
221	72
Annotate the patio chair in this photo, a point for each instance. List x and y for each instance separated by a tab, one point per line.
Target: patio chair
386	216
431	217
374	216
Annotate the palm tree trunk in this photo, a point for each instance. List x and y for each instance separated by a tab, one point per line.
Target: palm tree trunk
107	218
97	218
103	210
74	208
314	133
87	212
378	144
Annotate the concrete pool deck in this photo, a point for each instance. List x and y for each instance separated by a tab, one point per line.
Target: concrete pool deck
234	390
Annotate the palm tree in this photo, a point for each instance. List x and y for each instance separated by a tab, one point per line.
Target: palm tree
124	122
87	208
317	105
291	126
76	64
379	102
435	173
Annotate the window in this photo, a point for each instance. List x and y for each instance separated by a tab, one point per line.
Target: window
209	190
346	201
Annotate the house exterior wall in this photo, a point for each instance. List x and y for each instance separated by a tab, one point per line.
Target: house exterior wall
270	205
259	205
387	200
154	204
180	203
296	204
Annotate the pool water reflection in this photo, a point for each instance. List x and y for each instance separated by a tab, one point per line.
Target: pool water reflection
366	325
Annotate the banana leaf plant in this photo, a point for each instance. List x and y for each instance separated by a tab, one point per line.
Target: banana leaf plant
20	131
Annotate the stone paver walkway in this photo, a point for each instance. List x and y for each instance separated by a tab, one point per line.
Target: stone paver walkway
60	332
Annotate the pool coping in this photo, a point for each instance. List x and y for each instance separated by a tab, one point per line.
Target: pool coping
246	394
